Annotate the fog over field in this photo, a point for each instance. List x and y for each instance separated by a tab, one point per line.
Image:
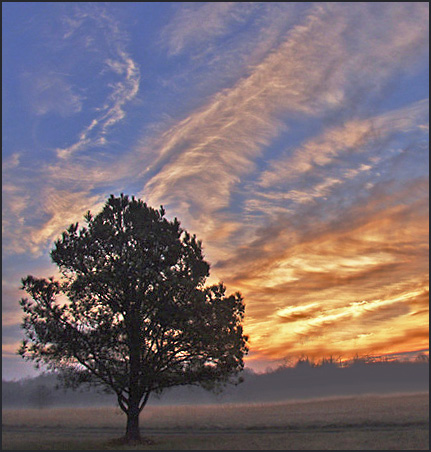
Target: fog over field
367	422
304	381
363	406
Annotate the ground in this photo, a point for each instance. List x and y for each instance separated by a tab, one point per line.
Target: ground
396	422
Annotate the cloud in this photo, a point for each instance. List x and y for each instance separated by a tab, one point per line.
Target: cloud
353	136
372	224
62	209
11	162
295	313
222	140
50	92
310	270
241	36
15	201
112	47
58	191
10	349
113	111
328	249
201	23
362	327
10	296
31	226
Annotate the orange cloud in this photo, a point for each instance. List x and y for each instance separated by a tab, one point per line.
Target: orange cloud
345	287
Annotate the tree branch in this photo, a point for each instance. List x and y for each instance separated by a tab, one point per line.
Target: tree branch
145	400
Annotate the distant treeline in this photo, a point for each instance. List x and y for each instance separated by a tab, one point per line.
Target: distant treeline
304	380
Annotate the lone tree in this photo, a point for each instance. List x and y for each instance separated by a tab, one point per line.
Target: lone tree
130	312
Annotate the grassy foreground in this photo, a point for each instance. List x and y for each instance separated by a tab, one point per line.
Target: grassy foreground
395	422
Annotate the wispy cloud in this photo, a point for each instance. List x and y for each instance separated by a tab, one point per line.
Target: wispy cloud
11	162
51	92
59	191
197	24
120	63
206	155
288	177
315	275
222	42
31	226
200	160
221	141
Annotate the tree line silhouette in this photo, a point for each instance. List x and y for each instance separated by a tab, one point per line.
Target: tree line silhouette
307	379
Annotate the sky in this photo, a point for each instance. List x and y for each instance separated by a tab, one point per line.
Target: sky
291	138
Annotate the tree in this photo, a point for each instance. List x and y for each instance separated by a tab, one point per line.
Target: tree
41	396
131	312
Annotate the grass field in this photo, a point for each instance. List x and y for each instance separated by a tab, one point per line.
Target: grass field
395	422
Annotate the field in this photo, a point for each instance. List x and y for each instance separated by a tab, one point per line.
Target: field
395	422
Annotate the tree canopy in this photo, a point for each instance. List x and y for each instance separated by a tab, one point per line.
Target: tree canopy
131	312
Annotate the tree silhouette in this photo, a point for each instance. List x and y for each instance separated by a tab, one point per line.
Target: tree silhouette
41	396
131	313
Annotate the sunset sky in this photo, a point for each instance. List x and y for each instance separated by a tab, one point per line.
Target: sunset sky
291	138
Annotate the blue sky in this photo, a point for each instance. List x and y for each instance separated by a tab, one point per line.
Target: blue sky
292	138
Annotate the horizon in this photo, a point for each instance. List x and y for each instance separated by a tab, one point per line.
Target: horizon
313	381
403	358
291	138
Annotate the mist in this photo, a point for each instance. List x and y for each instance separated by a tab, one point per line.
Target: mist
305	380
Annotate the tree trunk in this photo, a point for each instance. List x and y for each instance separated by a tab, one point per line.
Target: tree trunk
132	430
